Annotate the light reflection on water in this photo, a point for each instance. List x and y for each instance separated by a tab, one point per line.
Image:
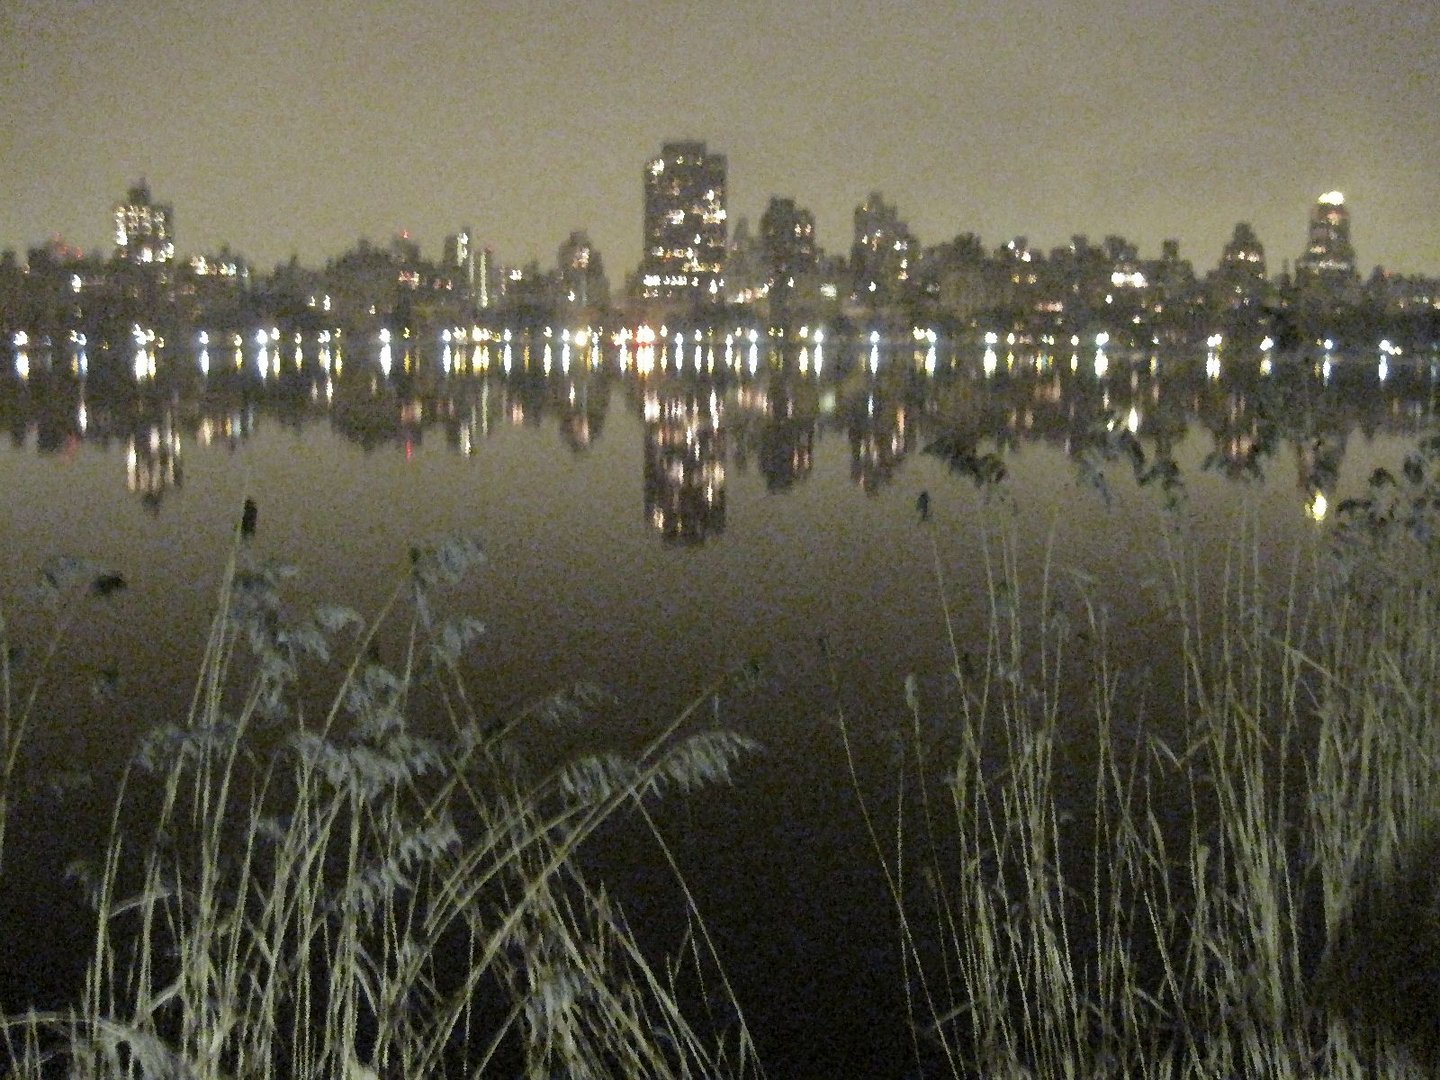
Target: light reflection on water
650	522
581	480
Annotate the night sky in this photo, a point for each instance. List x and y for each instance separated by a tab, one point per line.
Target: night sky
287	128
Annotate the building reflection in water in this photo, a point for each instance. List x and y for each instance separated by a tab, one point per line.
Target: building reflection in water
702	408
786	413
880	438
684	476
152	462
582	405
231	426
472	414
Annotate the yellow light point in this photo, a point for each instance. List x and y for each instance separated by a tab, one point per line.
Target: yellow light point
1318	507
1332	198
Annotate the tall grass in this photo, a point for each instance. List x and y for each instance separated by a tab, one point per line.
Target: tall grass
1091	881
308	885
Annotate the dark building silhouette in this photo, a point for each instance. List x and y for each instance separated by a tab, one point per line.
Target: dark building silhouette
787	242
882	252
1238	280
582	280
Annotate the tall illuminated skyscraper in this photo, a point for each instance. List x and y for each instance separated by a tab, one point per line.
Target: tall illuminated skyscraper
144	229
459	258
1329	254
685	225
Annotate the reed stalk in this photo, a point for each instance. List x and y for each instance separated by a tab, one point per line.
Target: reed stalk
1248	887
352	890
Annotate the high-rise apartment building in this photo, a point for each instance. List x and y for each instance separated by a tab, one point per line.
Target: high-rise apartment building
144	229
685	225
787	241
582	273
1238	280
1328	253
882	251
459	258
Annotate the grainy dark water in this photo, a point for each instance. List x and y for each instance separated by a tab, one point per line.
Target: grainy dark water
648	531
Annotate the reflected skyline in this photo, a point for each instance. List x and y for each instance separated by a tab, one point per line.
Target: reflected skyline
651	521
750	404
686	444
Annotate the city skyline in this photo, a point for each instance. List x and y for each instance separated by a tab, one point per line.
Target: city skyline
280	135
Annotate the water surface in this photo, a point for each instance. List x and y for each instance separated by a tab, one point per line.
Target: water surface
649	528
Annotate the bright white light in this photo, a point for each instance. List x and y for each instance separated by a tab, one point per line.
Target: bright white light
21	339
384	336
991	338
1332	198
1214	341
1329	344
874	337
1267	344
204	338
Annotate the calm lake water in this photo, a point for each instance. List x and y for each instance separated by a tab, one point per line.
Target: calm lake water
648	526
